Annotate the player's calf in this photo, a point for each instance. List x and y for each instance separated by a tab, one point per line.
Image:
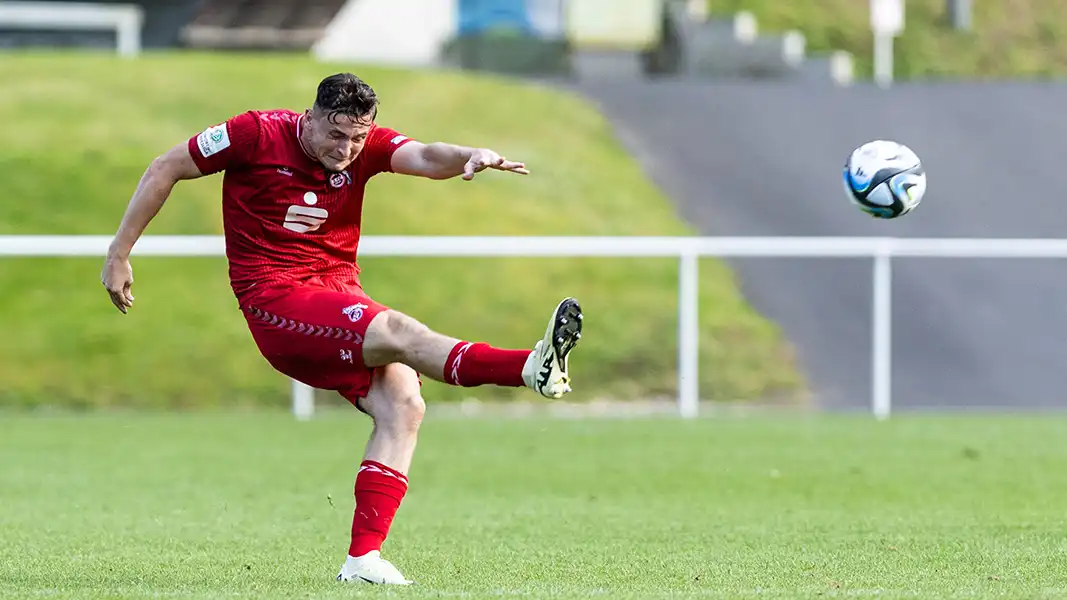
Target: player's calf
395	337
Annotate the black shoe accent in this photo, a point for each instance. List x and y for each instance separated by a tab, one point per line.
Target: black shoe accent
567	329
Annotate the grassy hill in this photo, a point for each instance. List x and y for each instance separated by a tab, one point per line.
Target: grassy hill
1009	38
83	127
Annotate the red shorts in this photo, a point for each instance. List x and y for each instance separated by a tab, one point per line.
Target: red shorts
313	332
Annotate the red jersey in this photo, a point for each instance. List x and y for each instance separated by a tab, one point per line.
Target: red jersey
285	217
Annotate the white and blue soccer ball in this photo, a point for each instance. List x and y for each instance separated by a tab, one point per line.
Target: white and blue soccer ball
885	179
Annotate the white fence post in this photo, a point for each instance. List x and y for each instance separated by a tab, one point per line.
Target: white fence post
303	400
128	36
882	333
688	334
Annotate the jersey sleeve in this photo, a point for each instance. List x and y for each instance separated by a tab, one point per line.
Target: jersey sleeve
227	145
382	142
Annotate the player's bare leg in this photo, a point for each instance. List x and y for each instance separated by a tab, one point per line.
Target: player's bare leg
395	404
395	337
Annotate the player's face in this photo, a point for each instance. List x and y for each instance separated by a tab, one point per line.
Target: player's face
338	141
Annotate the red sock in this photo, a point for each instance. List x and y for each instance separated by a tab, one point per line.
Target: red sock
379	490
471	365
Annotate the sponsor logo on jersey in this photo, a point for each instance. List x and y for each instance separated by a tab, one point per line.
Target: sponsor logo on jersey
303	219
213	140
396	140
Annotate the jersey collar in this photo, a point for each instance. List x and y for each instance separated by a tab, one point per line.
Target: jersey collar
299	128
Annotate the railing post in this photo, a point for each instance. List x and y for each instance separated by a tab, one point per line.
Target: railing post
959	12
688	334
882	333
128	33
303	400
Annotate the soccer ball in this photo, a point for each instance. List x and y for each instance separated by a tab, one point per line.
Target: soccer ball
884	179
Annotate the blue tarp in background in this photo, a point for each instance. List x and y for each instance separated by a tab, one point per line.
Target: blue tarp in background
541	18
478	16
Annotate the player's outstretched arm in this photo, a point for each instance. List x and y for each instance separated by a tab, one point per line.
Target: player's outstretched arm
444	161
152	191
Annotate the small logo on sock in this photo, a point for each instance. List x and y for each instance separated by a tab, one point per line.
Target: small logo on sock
373	468
456	361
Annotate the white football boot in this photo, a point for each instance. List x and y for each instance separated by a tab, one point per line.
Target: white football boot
545	370
371	568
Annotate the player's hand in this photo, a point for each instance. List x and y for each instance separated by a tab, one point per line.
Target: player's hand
483	159
117	278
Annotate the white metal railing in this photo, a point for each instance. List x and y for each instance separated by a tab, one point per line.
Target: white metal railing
126	20
686	249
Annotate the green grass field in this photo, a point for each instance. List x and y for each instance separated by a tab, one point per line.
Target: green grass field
258	505
87	125
1010	38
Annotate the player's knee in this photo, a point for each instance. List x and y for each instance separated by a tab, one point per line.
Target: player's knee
389	335
396	399
400	414
409	408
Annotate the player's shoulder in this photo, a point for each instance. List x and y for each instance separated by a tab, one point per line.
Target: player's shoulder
274	121
276	115
253	126
275	131
385	135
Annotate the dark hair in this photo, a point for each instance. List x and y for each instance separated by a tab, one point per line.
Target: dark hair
346	94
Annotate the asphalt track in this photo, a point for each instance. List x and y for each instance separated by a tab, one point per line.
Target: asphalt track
765	159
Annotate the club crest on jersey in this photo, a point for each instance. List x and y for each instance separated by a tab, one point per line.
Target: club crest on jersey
354	312
339	179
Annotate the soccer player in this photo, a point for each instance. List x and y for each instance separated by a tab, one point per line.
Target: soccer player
292	200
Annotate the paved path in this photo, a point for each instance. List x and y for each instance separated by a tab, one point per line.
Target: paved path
765	159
